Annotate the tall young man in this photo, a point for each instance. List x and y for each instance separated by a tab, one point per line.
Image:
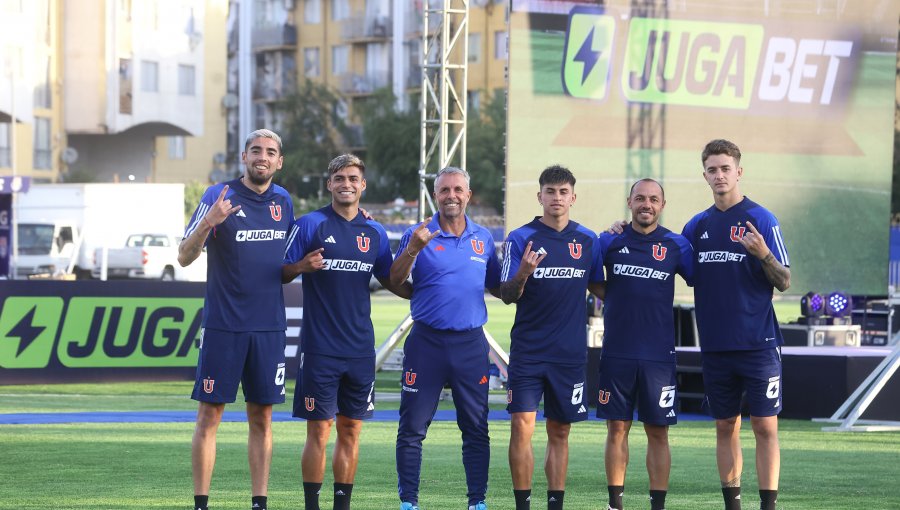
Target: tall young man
740	258
549	264
244	224
337	250
637	366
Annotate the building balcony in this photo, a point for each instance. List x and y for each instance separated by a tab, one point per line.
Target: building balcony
367	28
363	84
274	87
274	37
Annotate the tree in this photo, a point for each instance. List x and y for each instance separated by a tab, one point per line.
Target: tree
392	147
313	134
486	151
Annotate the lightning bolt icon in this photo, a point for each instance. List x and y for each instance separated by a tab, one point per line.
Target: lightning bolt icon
25	331
587	56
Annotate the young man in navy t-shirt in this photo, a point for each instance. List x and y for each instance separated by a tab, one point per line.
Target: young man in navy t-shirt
244	224
740	257
337	250
548	265
637	366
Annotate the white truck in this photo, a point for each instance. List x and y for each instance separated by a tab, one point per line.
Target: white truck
152	256
60	226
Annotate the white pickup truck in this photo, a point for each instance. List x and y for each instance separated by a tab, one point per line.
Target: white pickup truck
148	256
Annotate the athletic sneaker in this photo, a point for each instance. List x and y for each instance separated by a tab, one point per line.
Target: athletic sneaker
478	506
404	505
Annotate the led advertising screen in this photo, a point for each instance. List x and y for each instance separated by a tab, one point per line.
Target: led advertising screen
619	92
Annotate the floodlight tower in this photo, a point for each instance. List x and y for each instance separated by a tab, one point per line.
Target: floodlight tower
443	102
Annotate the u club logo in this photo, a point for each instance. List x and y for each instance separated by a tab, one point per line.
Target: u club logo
737	233
604	397
659	252
208	385
310	403
362	242
410	378
275	211
478	246
575	250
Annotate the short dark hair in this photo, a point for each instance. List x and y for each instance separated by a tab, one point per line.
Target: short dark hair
343	161
721	146
647	179
556	174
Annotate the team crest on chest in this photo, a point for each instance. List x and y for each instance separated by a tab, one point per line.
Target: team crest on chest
478	246
275	211
362	242
575	250
659	252
737	233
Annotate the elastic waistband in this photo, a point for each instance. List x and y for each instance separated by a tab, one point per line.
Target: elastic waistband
426	329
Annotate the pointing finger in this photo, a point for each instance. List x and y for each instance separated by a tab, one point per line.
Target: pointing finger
222	194
752	228
424	224
234	209
527	249
316	251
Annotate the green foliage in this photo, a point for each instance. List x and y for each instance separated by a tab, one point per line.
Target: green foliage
392	148
313	134
193	192
486	154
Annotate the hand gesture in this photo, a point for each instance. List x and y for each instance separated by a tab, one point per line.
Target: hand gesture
755	243
421	236
617	227
221	209
530	261
313	261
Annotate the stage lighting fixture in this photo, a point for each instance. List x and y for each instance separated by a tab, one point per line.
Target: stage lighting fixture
838	305
812	305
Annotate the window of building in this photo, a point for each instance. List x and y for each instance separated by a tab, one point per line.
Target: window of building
340	9
186	86
474	101
474	47
149	76
42	98
312	11
500	45
311	62
5	154
176	147
340	56
42	151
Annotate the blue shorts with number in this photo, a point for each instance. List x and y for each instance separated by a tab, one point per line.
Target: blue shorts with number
561	385
629	384
253	359
728	375
329	385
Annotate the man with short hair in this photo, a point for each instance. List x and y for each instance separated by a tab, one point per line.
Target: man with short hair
548	266
337	250
452	262
741	258
244	225
637	364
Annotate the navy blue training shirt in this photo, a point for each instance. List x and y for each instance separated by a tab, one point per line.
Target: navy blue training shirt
550	320
450	275
640	273
244	255
336	306
732	296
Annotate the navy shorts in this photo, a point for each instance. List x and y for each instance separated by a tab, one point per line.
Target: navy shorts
727	375
255	359
561	385
629	384
329	385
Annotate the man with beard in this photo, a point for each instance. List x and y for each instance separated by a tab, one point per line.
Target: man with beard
637	366
452	261
337	250
244	224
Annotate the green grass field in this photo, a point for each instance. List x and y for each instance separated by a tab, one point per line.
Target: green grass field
147	465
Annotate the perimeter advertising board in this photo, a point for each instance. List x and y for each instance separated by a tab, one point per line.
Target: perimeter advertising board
618	92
